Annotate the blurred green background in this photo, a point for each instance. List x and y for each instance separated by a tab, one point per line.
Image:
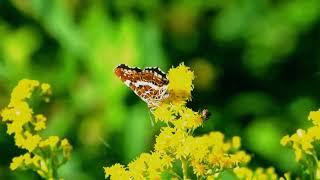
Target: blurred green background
257	66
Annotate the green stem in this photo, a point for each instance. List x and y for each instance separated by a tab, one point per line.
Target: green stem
53	168
55	174
315	165
174	174
184	169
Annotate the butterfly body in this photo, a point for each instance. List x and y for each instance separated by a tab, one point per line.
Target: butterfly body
150	84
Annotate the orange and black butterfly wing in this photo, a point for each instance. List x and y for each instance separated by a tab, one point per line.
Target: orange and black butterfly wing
149	84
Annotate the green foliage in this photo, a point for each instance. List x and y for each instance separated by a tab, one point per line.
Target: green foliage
256	62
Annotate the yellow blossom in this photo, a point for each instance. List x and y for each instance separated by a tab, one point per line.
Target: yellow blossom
243	173
31	141
116	172
163	113
44	166
14	127
241	157
40	122
138	167
199	148
36	160
315	117
22	91
66	148
164	140
51	142
180	82
19	140
23	161
16	162
19	112
27	141
189	119
314	132
199	169
45	88
302	141
236	142
149	166
155	166
166	161
25	127
27	159
285	140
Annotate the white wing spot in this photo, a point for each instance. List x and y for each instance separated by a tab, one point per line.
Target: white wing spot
127	82
143	83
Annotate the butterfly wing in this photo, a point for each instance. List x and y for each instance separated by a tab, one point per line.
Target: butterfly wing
149	84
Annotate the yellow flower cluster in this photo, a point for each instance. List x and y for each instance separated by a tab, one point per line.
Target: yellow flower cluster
173	110
180	83
146	165
259	174
44	155
302	141
180	116
208	155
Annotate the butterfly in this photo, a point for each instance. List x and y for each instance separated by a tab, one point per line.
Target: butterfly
150	84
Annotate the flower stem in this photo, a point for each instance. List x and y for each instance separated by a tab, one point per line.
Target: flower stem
55	174
174	174
184	168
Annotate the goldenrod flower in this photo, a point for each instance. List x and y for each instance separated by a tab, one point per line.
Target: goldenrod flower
14	127
164	113
27	141
50	142
40	122
166	161
19	112
116	172
66	148
22	91
16	162
314	116
199	169
236	142
180	82
30	141
302	141
46	88
146	166
27	159
188	119
25	127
